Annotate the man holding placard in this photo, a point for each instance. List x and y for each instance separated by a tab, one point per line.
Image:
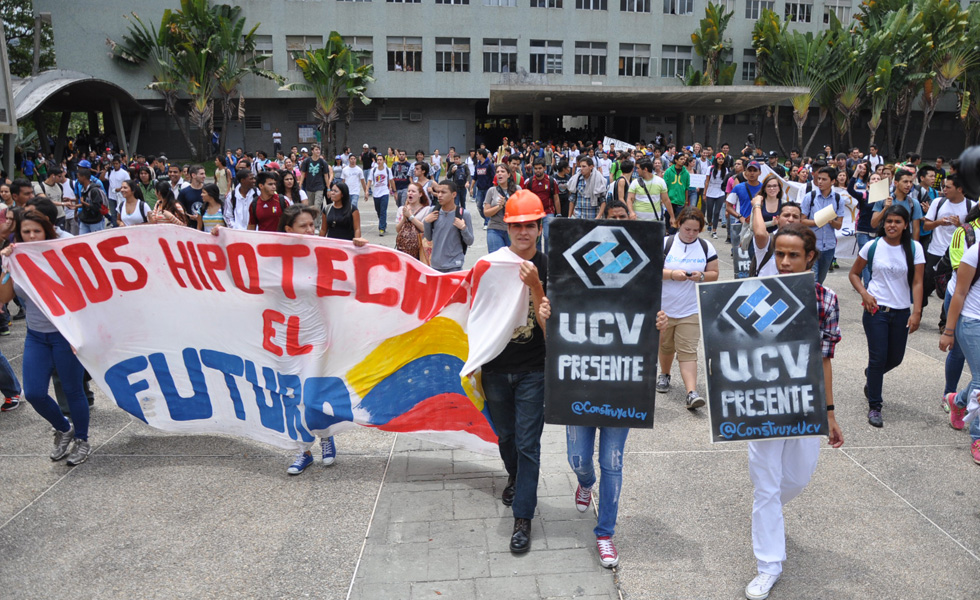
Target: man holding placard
823	210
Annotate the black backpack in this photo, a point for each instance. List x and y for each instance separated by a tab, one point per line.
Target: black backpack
944	268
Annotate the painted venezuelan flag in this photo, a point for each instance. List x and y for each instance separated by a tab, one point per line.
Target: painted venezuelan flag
411	383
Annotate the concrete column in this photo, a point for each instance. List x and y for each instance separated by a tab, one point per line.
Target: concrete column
117	122
536	124
93	123
9	140
42	133
134	132
62	140
679	134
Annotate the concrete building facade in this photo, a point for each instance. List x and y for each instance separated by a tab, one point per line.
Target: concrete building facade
436	60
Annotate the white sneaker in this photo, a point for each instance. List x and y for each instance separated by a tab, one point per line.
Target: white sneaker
758	588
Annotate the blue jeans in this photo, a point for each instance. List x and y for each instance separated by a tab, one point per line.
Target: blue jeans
887	334
692	197
353	200
478	198
381	207
612	440
862	239
43	352
968	338
545	228
822	265
516	405
84	228
497	239
400	197
955	358
9	386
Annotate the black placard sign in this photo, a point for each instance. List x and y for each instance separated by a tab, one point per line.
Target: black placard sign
604	285
764	365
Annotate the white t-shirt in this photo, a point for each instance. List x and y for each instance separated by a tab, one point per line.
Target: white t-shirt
136	217
68	193
971	306
889	273
942	235
770	267
679	298
604	165
379	181
277	138
353	176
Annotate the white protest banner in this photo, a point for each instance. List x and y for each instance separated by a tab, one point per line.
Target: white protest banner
878	191
697	181
617	144
275	336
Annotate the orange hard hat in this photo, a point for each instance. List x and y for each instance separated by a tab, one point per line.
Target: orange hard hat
523	206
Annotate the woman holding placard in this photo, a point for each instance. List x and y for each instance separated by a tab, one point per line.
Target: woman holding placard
688	261
892	300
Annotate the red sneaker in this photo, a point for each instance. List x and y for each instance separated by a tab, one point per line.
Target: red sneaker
10	404
956	413
607	551
583	498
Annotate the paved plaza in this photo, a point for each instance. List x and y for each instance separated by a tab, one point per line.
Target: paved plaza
895	513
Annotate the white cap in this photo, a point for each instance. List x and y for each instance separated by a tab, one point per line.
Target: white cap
303	150
366	146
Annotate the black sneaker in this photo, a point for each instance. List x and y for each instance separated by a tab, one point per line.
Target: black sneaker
520	542
10	403
19	316
874	418
5	330
508	496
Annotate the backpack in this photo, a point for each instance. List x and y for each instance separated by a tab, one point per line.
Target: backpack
943	199
812	195
670	242
96	209
612	192
909	258
283	203
944	268
755	268
121	209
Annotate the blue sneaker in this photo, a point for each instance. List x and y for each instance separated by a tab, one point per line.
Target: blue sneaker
329	451
302	461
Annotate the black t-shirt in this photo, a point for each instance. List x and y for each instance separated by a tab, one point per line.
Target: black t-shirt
562	182
367	159
315	174
340	224
525	351
190	199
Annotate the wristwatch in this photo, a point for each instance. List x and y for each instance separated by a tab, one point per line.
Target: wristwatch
702	277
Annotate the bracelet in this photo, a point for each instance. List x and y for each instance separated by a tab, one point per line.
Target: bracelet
947	334
830	407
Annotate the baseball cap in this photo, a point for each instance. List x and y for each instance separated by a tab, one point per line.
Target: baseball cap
272	166
303	150
366	146
773	154
753	164
720	155
85	164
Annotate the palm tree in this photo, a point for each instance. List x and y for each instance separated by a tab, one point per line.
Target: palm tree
358	78
327	73
710	44
879	84
144	47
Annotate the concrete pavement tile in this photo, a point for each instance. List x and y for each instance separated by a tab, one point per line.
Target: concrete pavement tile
562	508
473	504
400	562
420	506
470	483
485	466
541	562
457	533
443	564
408	533
436	462
507	588
414	486
569	534
24	478
941	482
375	591
136	537
473	563
456	589
499	531
577	585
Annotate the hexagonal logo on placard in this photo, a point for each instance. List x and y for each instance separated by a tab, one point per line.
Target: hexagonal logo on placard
606	258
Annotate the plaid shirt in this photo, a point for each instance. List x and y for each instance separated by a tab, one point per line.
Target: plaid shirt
828	315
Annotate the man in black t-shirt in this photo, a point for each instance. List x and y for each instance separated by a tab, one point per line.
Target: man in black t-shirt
190	197
367	159
314	175
561	177
513	382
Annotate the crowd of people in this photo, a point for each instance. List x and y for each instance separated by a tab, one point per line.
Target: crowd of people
918	240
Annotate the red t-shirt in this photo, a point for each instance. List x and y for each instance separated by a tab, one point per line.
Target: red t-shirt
545	189
264	214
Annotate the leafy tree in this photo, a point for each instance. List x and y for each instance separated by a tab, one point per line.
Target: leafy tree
18	25
328	73
710	44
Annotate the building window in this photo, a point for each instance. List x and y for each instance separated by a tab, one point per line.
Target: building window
728	5
675	60
678	7
263	51
799	12
404	54
406	1
754	8
640	6
456	2
546	56
452	55
499	2
634	60
590	58
545	3
590	4
499	56
842	8
253	121
363	46
301	43
353	0
749	66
